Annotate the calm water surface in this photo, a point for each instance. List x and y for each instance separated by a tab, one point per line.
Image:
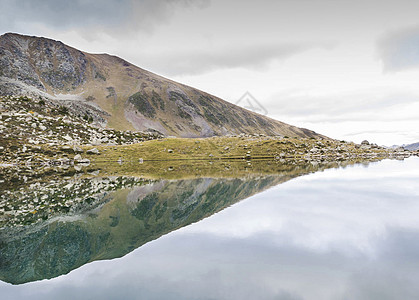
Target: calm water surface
348	233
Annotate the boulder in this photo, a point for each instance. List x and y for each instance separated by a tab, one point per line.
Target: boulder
92	151
78	157
67	149
78	150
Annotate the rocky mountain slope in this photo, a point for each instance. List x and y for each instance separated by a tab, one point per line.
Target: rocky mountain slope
115	93
27	123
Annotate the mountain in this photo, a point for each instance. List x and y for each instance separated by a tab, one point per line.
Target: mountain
412	147
115	93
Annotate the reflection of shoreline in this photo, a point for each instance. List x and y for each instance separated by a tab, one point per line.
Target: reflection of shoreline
42	201
30	195
129	219
133	211
15	176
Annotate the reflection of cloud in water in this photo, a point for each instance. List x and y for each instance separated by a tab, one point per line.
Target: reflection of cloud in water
328	210
306	239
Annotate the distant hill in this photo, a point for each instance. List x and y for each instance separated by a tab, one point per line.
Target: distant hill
412	147
115	93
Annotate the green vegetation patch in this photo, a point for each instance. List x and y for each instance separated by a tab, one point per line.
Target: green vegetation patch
141	103
183	114
157	100
174	96
211	113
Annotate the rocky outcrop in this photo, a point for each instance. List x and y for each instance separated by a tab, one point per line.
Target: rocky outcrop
42	63
26	123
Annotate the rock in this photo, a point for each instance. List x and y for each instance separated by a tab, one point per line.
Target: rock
365	142
95	142
140	160
42	127
211	155
78	150
67	149
67	138
92	151
170	150
84	162
32	141
94	173
78	157
64	161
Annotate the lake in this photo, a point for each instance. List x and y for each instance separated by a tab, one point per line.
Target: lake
317	232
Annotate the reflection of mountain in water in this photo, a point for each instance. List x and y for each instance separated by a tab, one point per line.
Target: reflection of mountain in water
130	218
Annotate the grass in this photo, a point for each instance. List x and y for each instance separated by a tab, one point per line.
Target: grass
181	169
221	148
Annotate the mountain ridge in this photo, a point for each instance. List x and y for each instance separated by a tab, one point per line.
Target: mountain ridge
120	95
411	147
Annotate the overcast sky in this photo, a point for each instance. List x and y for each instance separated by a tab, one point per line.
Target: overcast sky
348	69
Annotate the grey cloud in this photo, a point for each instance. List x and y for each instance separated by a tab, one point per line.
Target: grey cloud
117	16
209	267
65	14
355	133
256	57
400	50
390	275
349	107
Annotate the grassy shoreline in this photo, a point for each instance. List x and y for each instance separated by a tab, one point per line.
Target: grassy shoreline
204	149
